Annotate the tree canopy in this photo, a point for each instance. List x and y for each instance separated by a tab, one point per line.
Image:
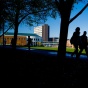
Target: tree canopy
32	11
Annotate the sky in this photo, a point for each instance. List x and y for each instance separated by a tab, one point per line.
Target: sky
81	21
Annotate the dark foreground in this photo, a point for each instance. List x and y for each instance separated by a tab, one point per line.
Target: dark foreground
25	69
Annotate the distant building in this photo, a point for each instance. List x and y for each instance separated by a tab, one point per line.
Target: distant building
54	39
22	38
68	44
42	31
50	44
39	37
56	43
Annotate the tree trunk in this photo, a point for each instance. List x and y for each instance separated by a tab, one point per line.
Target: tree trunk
63	36
15	31
3	34
62	45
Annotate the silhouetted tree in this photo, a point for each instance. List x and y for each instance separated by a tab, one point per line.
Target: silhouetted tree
64	9
3	17
28	11
32	11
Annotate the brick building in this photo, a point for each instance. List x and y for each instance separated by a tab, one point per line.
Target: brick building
21	38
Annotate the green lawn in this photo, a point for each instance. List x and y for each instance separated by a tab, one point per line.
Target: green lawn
55	49
45	48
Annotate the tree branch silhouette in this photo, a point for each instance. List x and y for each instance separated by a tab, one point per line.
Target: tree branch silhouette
6	30
78	13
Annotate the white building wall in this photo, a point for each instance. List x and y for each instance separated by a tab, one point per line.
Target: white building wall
36	40
38	30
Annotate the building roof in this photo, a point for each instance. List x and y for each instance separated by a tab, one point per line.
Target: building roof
23	34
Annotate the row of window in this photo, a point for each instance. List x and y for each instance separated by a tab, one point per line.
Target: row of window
11	38
33	39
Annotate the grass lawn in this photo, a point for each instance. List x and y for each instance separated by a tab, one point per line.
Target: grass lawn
55	49
45	48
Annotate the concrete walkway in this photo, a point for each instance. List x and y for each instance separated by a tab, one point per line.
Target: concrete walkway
51	53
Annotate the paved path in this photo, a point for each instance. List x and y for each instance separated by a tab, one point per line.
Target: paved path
53	53
21	72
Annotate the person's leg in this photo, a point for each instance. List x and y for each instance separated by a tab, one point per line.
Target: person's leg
86	51
75	50
81	49
29	47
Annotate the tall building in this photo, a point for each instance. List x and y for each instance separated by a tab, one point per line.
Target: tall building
42	31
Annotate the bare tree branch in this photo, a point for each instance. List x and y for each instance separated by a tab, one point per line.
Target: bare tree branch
32	13
78	13
6	30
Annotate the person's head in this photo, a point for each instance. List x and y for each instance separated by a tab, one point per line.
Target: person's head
28	36
77	29
84	32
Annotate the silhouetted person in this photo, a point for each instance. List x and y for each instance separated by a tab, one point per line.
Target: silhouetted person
12	42
4	41
29	42
83	43
75	40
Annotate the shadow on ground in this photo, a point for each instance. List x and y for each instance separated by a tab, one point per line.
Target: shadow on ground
23	68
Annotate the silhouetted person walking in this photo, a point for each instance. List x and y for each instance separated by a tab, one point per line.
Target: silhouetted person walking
4	41
29	42
12	42
75	41
83	43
